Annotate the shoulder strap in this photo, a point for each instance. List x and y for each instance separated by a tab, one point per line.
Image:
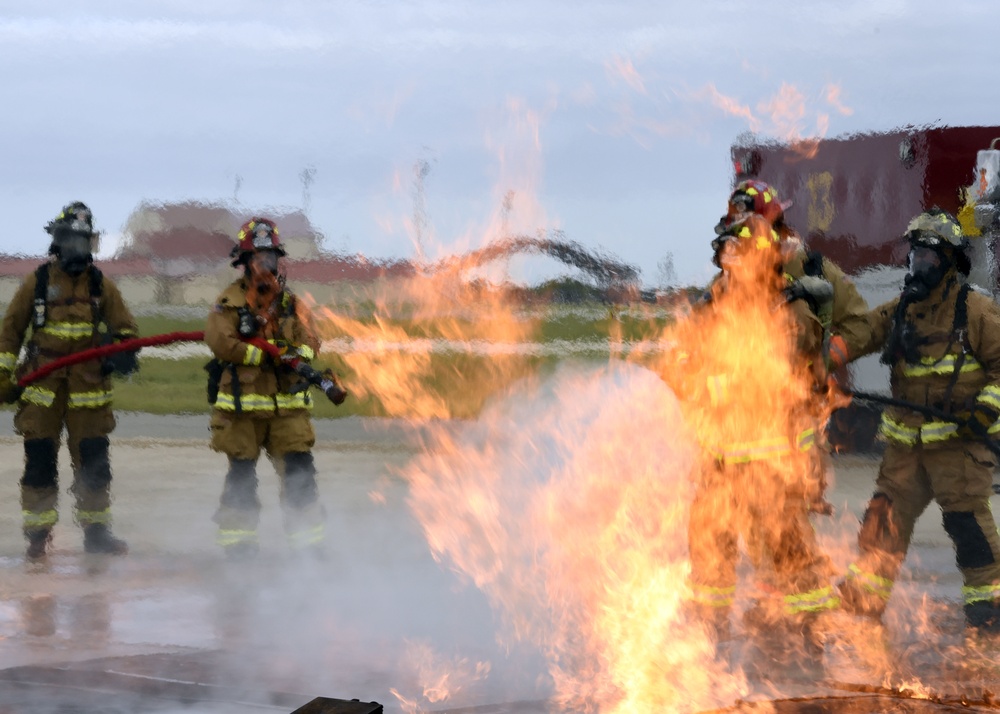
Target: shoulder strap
95	279
96	282
960	332
41	296
960	327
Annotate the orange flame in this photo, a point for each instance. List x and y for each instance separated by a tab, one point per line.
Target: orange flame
570	512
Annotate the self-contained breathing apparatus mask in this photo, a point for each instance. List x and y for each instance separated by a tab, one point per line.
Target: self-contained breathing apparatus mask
266	261
72	250
927	268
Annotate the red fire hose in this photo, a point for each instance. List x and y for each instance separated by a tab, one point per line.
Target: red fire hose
325	380
103	351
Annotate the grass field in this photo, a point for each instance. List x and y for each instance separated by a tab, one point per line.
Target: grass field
462	379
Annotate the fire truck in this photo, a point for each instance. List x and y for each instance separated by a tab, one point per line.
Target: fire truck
852	197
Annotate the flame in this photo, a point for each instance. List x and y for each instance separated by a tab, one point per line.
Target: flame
784	115
456	301
439	678
623	67
415	382
262	296
567	503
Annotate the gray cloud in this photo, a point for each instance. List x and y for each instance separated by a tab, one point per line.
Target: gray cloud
115	102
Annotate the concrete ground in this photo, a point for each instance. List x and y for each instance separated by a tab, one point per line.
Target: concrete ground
175	621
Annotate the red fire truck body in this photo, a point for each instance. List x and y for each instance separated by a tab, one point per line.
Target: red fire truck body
853	196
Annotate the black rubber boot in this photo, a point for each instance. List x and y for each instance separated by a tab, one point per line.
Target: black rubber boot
38	543
97	538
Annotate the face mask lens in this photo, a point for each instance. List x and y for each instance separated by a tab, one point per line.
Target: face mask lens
924	260
266	261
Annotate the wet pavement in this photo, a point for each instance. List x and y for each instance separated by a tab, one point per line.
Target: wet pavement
176	627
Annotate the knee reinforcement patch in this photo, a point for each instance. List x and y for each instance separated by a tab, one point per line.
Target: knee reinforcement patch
241	484
40	463
95	463
972	549
300	479
877	529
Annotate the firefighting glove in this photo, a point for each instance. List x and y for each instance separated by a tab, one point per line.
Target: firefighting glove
816	291
120	363
291	354
10	392
975	424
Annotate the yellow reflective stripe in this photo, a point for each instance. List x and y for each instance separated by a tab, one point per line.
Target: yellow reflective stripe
90	517
897	431
933	431
811	601
38	395
712	596
126	333
7	361
807	439
929	432
68	330
42	519
760	450
89	400
253	356
990	395
248	402
871	582
306	353
299	400
307	537
233	536
718	388
980	593
946	365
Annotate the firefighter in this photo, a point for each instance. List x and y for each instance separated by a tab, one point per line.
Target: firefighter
260	403
841	317
69	307
743	488
941	341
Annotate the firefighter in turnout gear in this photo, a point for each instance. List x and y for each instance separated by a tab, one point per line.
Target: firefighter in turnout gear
69	306
750	485
809	277
261	403
941	341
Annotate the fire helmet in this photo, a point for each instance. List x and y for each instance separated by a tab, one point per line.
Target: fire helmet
751	231
751	197
73	238
938	230
256	234
74	218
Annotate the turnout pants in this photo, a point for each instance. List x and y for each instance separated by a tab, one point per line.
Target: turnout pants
959	477
287	440
751	502
87	430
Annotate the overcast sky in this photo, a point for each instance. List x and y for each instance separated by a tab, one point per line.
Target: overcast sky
611	121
